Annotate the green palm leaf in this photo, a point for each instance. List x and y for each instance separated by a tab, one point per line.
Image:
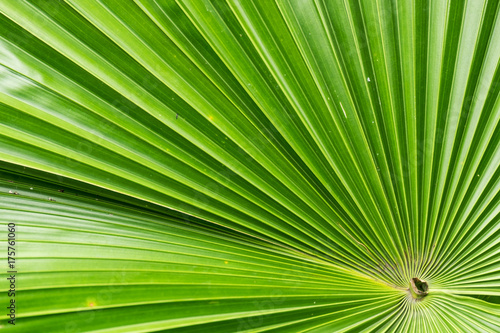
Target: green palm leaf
223	166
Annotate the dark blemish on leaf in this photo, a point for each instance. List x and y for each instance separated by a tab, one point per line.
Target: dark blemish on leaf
418	288
50	199
60	190
176	116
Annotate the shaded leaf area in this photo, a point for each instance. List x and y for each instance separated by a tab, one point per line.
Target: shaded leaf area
57	184
95	266
331	150
90	264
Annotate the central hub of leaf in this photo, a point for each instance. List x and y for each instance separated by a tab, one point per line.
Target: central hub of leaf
418	288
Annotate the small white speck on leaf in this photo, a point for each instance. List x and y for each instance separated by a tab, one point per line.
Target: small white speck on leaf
368	79
343	109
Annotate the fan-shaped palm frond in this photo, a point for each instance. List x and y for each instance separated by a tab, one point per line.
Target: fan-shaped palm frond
223	166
